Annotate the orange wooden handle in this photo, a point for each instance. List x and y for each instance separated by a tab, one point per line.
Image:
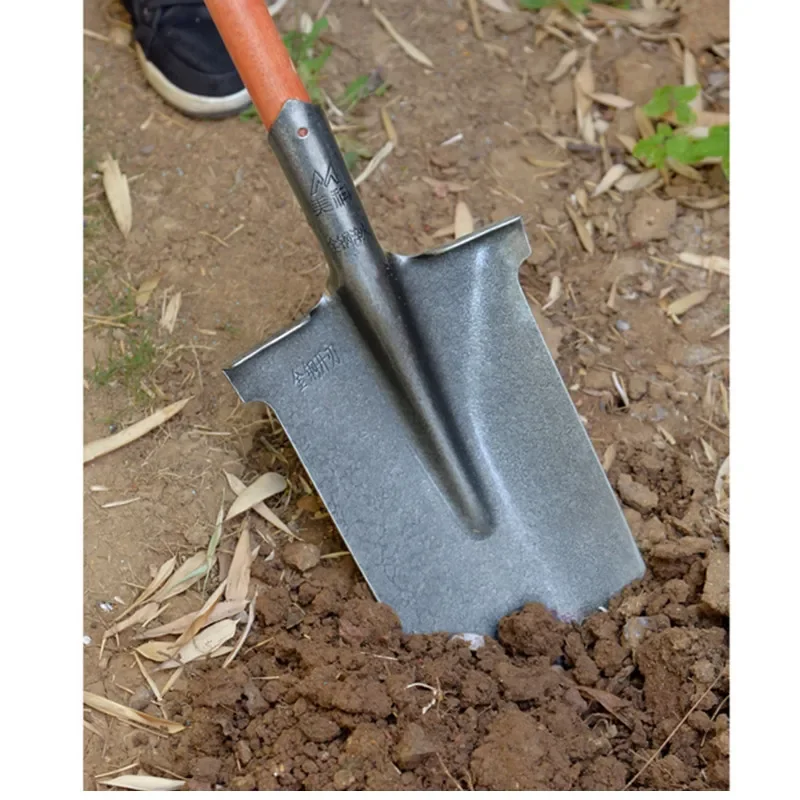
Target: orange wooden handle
259	55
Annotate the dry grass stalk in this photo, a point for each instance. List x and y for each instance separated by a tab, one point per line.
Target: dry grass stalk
263	487
411	50
171	680
565	64
583	232
126	714
144	783
464	223
620	387
476	18
375	162
118	193
101	447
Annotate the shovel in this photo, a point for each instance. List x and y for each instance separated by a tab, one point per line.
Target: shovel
422	400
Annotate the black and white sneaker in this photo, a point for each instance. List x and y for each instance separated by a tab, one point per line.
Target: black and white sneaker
184	58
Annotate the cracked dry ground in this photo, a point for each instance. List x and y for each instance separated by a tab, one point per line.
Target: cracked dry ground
323	703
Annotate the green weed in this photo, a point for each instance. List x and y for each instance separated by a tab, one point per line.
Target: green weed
576	6
303	49
668	142
128	369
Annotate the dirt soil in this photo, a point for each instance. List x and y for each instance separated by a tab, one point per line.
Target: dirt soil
328	692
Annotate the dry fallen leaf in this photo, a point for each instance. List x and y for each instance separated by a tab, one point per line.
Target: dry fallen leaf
206	642
565	64
101	447
498	5
185	576
608	456
117	710
463	220
544	164
222	610
118	193
144	783
705	203
169	314
201	618
690	79
711	263
388	126
266	485
141	615
158	651
581	230
584	87
411	50
609	179
554	293
636	181
239	572
476	18
687	302
375	162
628	142
164	571
251	615
611	100
685	170
145	290
263	510
723	472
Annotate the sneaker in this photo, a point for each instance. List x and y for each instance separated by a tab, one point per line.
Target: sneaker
184	58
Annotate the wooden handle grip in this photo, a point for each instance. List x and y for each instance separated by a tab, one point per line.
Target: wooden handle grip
259	55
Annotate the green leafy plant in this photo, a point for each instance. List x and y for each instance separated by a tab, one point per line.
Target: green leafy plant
356	90
303	49
669	142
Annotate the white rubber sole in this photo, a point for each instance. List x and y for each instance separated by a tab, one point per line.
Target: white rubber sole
193	105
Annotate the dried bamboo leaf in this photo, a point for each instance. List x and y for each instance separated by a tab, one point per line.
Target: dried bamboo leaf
565	64
164	571
705	203
636	181
690	78
145	290
238	486
207	641
115	185
169	315
251	615
611	100
610	702
185	576
158	651
101	447
723	472
685	170
444	233
222	610
140	616
144	783
463	224
628	142
497	5
544	164
711	263
554	293
146	675
687	302
609	179
266	485
239	573
117	710
608	456
581	230
200	620
411	50
375	162
584	86
643	123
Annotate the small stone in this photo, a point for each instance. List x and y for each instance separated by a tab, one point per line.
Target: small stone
637	387
141	698
147	149
413	747
303	556
716	591
243	751
636	495
462	25
622	326
343	779
513	22
634	630
651	218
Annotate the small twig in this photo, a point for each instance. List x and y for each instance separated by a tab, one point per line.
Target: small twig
92	35
674	731
449	774
584	147
116	771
